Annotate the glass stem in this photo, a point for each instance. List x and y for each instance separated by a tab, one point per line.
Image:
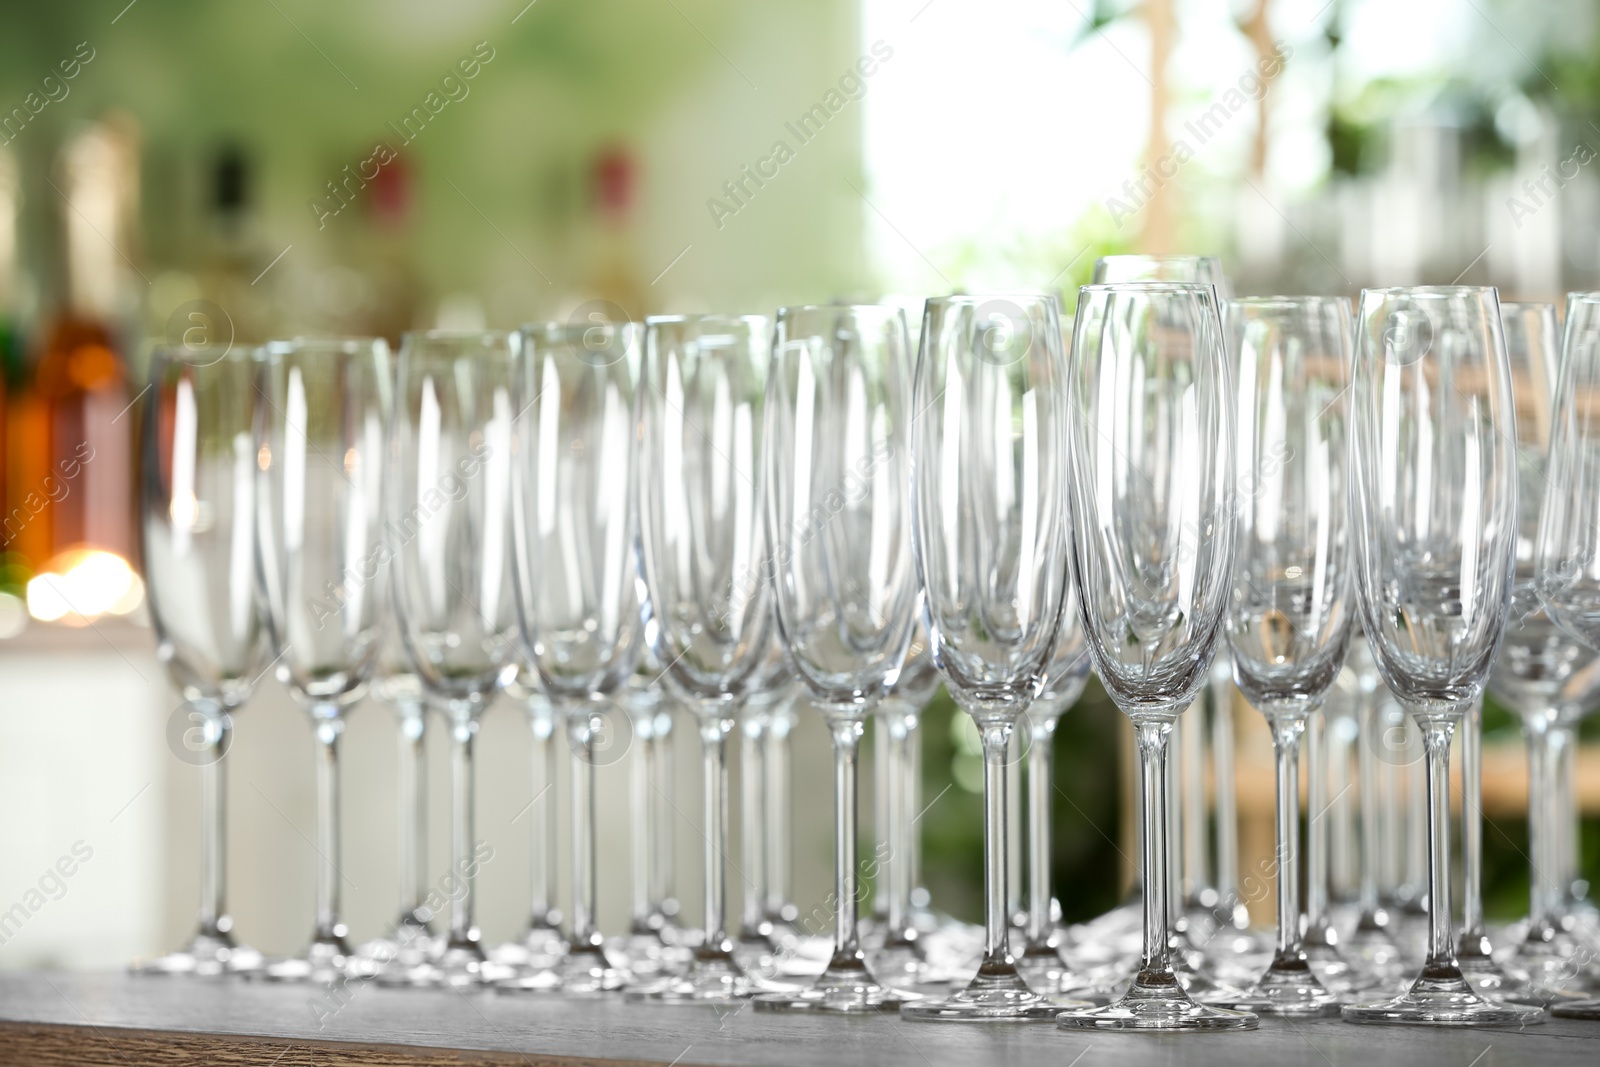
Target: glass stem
1367	775
894	859
1563	851
752	818
996	737
1540	886
1041	758
328	724
213	822
913	787
413	802
1316	736
714	730
1441	951
1472	821
846	732
1174	837
882	776
1224	804
463	730
542	825
664	862
1193	809
1153	736
1286	732
583	726
641	783
776	759
1015	847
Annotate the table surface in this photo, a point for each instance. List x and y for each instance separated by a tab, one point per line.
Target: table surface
49	1019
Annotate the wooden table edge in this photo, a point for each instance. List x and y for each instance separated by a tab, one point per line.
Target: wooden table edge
27	1044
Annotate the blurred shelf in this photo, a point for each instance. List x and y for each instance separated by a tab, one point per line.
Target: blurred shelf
58	1019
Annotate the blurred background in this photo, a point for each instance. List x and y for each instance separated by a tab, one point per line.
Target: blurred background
177	170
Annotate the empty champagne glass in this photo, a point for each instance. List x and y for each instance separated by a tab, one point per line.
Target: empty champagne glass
574	527
450	518
989	525
1541	673
1229	908
1566	574
1372	946
1153	525
197	506
838	410
703	552
535	952
1434	498
323	463
1288	621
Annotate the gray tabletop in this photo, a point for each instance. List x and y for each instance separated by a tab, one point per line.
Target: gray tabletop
118	1019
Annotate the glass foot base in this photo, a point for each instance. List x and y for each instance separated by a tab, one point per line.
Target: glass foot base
1578	1009
1443	1002
1157	1015
714	980
541	946
324	962
1284	990
996	995
838	993
1049	976
584	972
207	956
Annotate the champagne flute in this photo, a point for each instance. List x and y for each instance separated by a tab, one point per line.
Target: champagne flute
197	506
1153	483
1566	573
702	550
323	463
450	514
574	527
989	514
534	954
838	406
1434	496
1230	908
1288	622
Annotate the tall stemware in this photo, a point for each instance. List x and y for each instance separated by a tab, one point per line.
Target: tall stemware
574	528
197	506
1434	499
1288	622
703	550
1542	673
1229	909
989	535
450	515
323	462
837	515
1153	489
1566	575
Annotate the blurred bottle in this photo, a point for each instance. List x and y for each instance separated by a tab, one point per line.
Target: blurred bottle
73	462
612	270
13	369
234	276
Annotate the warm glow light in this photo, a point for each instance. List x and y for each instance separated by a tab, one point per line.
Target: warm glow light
82	584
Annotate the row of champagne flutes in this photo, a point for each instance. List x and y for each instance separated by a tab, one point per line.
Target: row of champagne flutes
568	500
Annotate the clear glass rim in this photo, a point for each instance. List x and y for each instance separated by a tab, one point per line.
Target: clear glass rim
976	299
333	342
1096	288
483	336
1437	291
198	354
1540	306
1287	301
555	328
1163	257
709	316
839	309
1584	296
